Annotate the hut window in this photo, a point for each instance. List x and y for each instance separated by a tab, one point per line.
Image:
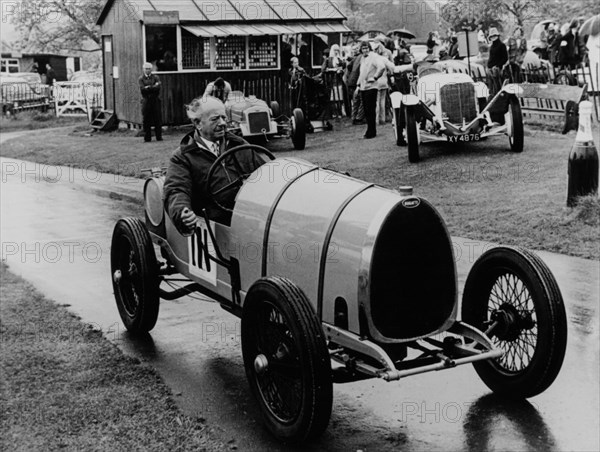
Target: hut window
295	45
10	65
195	51
262	52
161	47
231	52
321	42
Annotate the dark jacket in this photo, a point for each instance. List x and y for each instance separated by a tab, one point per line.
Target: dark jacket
150	90
185	183
498	54
353	71
569	50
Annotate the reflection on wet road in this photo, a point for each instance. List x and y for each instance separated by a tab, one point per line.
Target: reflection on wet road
58	236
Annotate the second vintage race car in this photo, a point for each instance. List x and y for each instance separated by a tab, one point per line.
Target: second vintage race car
337	280
251	117
452	107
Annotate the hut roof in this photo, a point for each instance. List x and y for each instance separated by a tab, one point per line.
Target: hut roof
213	12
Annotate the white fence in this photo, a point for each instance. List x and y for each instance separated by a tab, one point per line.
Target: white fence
77	98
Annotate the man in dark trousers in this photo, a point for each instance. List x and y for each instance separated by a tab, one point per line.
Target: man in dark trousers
50	75
150	88
186	192
496	62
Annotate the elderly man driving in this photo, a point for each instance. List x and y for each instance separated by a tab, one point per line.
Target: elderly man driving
185	190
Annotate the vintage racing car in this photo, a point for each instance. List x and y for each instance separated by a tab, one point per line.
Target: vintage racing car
251	117
452	107
337	280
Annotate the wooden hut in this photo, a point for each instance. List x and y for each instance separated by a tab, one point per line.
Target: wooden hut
191	42
63	65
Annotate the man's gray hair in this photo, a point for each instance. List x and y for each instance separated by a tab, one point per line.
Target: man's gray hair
197	106
147	65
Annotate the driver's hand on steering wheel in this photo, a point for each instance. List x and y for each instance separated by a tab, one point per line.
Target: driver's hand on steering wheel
188	218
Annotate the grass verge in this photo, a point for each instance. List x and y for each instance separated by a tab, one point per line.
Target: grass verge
64	386
34	120
483	191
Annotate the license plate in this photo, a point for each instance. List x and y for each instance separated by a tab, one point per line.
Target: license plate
464	138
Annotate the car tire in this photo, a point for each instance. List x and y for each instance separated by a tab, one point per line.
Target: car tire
513	287
514	120
134	272
412	136
298	129
275	109
565	78
398	129
284	350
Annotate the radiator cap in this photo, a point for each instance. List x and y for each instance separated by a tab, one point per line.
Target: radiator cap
405	190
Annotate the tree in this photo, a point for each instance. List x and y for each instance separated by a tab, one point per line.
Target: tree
496	13
56	25
466	13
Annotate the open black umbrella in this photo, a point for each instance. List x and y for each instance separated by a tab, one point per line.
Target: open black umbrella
402	32
590	27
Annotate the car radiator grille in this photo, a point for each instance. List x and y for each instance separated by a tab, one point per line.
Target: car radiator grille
458	102
257	121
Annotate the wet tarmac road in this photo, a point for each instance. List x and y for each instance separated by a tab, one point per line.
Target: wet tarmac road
58	236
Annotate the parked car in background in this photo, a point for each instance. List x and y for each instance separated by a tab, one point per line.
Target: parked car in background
17	94
33	78
250	117
86	76
452	107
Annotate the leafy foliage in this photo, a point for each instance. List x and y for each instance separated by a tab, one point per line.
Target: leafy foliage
57	25
510	13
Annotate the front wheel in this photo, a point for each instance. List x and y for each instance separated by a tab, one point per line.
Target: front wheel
134	275
512	294
412	136
286	360
514	123
298	129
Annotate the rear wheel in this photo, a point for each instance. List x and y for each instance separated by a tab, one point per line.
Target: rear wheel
412	136
275	110
298	129
565	78
514	123
286	360
512	291
134	275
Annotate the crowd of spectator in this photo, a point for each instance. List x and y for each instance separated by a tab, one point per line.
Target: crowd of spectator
363	73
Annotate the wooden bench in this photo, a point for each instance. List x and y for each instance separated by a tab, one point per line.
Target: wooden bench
548	100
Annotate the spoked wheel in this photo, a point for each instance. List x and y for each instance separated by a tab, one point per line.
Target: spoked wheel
514	123
298	132
512	294
412	136
286	360
134	275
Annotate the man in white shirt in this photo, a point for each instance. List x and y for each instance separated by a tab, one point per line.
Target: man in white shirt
219	89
